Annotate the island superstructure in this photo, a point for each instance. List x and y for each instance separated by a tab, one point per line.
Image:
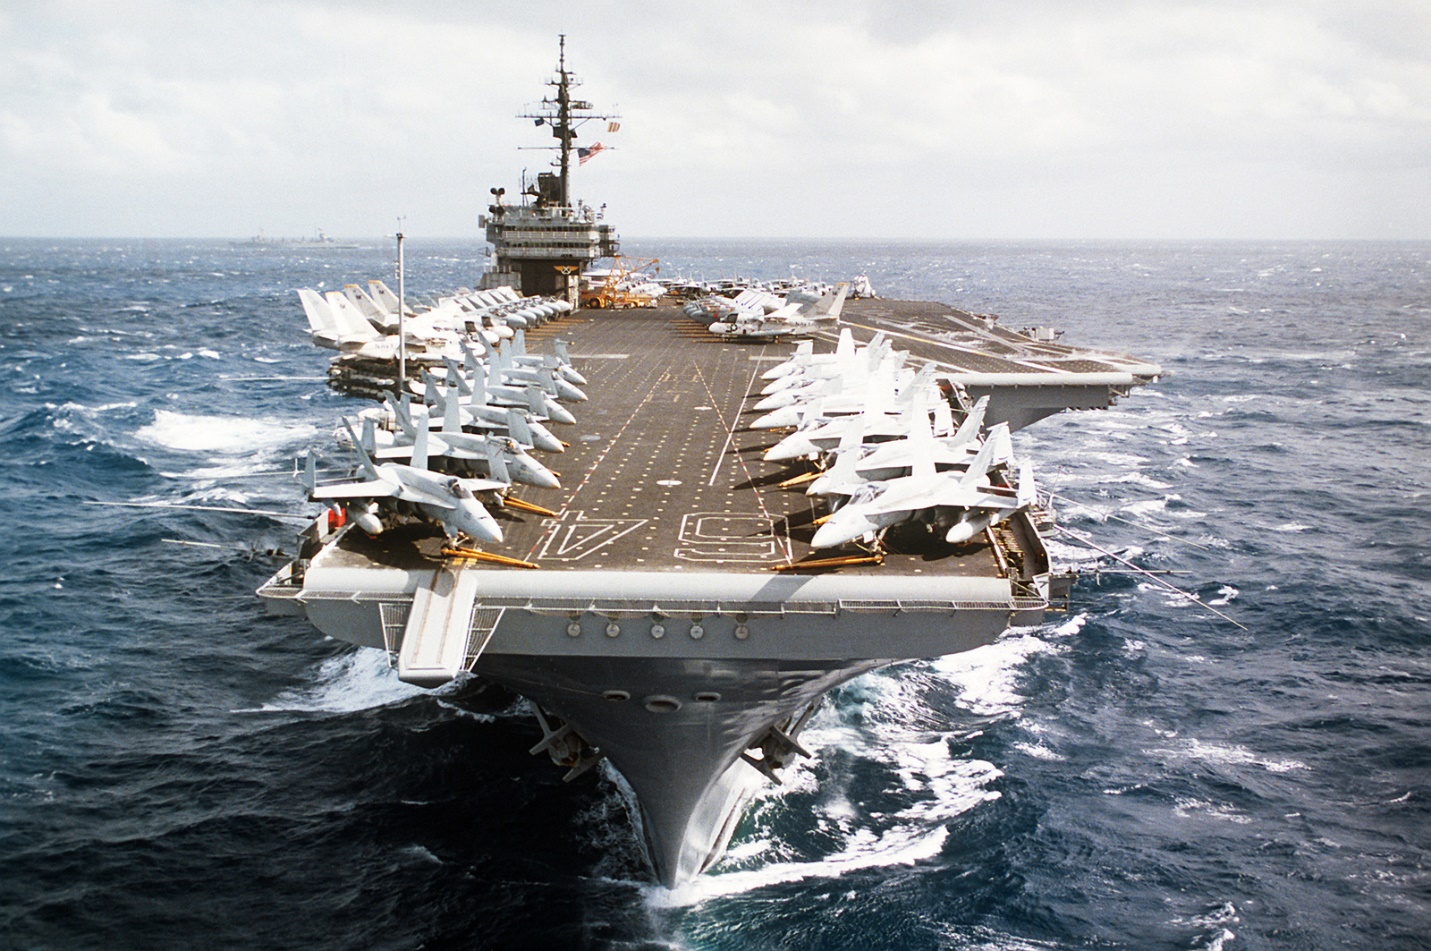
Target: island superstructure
665	611
542	242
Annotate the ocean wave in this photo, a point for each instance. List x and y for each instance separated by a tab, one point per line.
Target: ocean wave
987	677
1220	754
1185	808
235	435
348	683
899	846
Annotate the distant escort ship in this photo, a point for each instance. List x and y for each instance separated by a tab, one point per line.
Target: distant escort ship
741	524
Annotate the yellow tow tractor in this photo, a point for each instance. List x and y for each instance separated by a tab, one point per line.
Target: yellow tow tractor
629	283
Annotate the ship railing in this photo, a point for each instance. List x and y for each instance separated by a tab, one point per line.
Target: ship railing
394	611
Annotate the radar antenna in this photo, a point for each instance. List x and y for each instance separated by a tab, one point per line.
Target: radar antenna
564	115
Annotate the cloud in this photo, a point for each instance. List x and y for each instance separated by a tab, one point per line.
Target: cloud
922	119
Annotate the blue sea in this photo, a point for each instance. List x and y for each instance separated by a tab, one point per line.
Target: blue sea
178	769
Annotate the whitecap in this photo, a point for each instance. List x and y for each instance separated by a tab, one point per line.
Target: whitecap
1185	808
230	434
1225	594
898	846
1147	506
348	683
986	676
1225	755
1039	751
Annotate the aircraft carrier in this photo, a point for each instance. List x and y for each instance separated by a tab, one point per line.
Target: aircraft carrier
669	614
673	624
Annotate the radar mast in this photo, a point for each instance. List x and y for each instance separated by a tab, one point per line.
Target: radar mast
564	115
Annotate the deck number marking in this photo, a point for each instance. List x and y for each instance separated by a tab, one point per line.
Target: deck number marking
719	536
575	537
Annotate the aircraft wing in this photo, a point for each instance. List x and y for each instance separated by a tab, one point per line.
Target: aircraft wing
960	496
486	485
411	493
370	489
951	495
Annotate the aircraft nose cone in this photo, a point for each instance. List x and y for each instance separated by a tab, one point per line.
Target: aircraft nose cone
775	419
789	448
544	478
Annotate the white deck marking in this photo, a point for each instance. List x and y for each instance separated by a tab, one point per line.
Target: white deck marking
572	539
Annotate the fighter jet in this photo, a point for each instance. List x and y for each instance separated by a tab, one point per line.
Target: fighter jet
448	500
448	440
520	421
796	318
938	497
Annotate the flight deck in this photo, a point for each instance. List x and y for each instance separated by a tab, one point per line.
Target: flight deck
663	474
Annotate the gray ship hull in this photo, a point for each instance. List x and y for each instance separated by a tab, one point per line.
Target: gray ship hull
694	723
684	762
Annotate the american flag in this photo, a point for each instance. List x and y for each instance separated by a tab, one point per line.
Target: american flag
583	154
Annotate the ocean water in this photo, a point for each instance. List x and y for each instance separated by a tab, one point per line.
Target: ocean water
177	769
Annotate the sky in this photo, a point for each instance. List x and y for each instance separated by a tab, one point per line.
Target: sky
865	119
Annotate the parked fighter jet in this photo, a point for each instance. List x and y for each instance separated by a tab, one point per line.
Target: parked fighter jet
939	497
448	500
796	318
520	421
475	450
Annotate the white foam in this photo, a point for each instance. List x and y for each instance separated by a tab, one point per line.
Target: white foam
893	729
898	846
986	676
225	434
1148	505
348	683
1039	751
1225	755
1186	808
1225	594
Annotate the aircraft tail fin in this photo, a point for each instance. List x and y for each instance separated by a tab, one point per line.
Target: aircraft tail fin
846	467
316	309
943	416
518	428
384	297
419	448
368	307
984	459
921	444
1028	490
536	401
973	422
479	390
310	473
451	416
828	306
457	383
497	465
400	414
370	435
368	465
349	321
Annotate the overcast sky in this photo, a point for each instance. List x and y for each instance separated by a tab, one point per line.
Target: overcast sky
842	118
